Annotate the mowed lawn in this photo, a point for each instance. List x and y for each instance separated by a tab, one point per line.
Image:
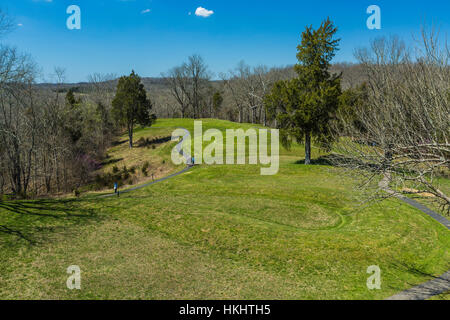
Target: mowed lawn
220	232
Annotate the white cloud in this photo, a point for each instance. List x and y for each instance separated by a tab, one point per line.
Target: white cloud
20	25
145	11
202	12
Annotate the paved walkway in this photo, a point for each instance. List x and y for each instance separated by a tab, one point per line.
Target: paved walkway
426	210
433	287
426	290
179	147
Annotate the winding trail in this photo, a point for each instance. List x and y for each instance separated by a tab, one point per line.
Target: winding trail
179	148
426	290
433	287
423	291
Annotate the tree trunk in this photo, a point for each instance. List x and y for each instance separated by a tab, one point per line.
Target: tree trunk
308	148
388	154
130	135
265	118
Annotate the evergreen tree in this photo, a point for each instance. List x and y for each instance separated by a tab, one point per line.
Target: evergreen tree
351	102
217	102
304	106
131	105
73	117
70	99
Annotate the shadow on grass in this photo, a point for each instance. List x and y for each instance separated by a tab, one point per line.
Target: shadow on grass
48	208
118	143
336	160
146	142
416	271
31	220
322	161
19	234
110	161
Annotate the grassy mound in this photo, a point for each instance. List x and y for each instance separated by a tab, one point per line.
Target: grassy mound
219	232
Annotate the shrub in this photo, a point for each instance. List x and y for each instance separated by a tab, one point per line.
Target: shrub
145	168
99	179
115	169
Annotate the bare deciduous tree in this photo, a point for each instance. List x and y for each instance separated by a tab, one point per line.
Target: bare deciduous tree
178	82
405	146
248	86
189	83
17	116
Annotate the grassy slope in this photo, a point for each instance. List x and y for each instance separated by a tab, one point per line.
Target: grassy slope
221	232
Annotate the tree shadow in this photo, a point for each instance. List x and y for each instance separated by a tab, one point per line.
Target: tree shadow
34	220
322	161
48	208
416	271
337	160
108	161
146	142
19	234
118	143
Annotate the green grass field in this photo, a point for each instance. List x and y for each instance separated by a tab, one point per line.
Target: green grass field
219	232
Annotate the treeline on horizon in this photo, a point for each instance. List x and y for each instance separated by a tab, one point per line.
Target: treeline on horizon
385	116
165	104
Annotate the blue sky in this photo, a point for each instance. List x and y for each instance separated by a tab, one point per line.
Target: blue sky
118	35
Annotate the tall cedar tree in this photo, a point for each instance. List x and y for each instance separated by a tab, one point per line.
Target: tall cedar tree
131	105
73	121
304	106
217	102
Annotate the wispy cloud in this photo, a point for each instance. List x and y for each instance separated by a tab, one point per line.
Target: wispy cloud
20	25
145	11
202	12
